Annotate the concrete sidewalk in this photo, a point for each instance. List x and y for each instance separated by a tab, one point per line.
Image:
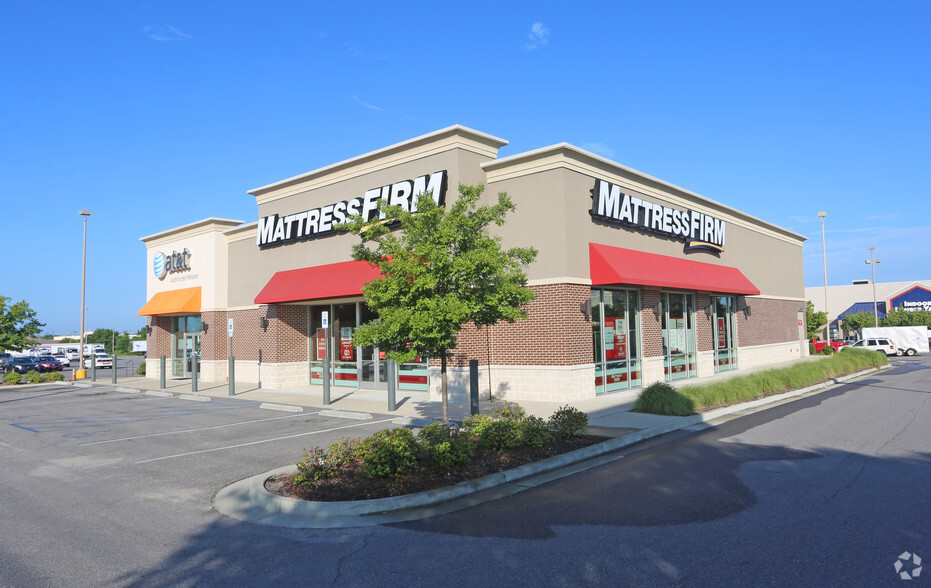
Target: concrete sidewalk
609	415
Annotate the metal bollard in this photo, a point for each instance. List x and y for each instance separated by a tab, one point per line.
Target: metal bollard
113	370
193	373
392	404
93	367
232	378
326	381
161	373
473	386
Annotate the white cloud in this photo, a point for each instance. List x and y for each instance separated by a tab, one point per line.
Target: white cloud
165	33
367	105
600	149
887	216
539	35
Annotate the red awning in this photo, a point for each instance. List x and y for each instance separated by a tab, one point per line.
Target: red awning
613	265
335	280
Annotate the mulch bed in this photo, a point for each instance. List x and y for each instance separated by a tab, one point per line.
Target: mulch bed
354	485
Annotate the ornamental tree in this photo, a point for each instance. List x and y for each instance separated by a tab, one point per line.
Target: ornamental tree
815	321
18	324
440	270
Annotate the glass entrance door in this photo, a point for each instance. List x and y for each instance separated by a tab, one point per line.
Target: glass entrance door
725	343
678	336
191	355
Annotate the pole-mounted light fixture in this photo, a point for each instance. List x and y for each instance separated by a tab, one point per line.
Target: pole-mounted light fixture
85	214
827	314
872	263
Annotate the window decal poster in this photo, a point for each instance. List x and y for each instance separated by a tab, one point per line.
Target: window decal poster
615	335
345	343
722	336
321	343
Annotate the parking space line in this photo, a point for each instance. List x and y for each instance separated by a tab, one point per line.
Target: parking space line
290	416
263	441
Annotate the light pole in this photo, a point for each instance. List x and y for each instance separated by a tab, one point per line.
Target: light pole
827	326
872	263
85	214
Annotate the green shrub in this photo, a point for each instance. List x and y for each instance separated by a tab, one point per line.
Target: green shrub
662	398
452	452
389	453
811	349
474	424
53	377
33	377
499	434
313	466
12	378
507	410
141	369
827	350
534	431
568	422
433	434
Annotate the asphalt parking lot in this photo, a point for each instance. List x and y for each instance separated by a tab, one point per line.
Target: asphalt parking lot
162	435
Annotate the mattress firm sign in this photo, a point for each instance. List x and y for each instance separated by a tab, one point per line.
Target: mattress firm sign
277	230
698	230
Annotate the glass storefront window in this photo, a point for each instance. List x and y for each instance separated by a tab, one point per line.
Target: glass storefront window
616	339
678	336
185	345
725	340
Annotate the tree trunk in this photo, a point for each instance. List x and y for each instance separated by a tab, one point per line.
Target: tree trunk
444	389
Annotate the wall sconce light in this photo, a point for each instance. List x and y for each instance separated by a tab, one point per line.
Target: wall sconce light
148	329
263	322
742	305
586	307
747	311
658	310
709	311
204	327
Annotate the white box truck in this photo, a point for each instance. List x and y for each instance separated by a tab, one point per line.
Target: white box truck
908	340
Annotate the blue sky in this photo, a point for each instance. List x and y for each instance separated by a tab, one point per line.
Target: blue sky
156	114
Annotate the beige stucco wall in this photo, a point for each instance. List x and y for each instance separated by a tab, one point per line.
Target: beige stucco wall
209	261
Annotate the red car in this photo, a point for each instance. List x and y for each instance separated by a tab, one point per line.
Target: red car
47	363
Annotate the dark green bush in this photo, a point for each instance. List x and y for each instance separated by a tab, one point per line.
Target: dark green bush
12	378
33	377
568	422
534	431
507	410
827	350
141	369
811	349
389	452
433	434
662	398
475	423
313	466
53	377
452	452
499	434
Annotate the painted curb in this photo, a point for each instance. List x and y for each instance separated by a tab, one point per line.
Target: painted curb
159	394
129	390
354	513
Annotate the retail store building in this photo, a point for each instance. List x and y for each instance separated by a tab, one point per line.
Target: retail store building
636	280
861	295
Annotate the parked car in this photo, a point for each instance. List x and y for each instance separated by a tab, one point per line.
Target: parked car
23	364
836	344
62	359
47	363
73	356
103	360
884	345
4	359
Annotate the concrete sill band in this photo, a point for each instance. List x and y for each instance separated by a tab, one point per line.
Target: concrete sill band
248	500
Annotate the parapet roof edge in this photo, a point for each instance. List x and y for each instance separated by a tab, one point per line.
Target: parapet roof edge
196	224
496	142
578	151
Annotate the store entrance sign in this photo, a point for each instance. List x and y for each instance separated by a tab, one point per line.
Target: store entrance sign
325	220
697	229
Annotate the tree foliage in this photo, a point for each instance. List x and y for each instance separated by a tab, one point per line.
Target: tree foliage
18	324
855	322
111	338
907	318
441	270
815	321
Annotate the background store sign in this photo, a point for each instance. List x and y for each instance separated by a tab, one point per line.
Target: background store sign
163	264
277	230
698	230
916	298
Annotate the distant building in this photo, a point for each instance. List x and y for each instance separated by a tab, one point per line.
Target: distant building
858	297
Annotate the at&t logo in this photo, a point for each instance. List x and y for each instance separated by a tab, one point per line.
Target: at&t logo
163	264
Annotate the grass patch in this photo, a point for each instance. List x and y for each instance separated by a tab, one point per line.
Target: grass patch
661	398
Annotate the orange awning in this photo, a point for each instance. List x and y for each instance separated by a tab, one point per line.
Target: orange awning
183	301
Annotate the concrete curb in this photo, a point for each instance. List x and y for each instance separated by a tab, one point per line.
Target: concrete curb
159	394
282	407
249	500
346	414
195	397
